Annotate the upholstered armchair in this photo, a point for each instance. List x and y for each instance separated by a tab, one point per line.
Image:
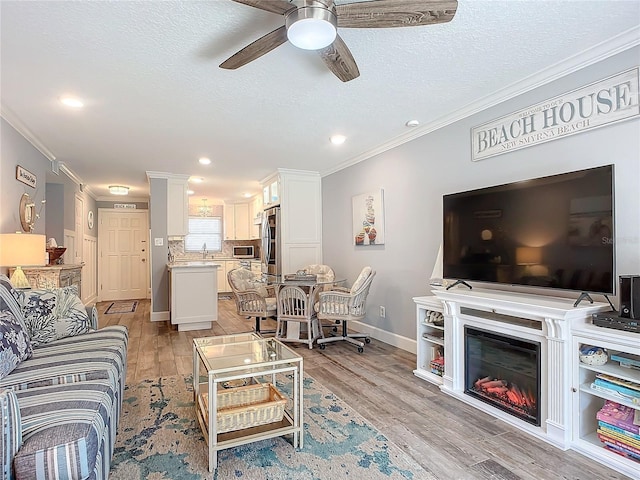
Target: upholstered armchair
340	305
253	297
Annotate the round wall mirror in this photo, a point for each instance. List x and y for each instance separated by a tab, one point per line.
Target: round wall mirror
27	213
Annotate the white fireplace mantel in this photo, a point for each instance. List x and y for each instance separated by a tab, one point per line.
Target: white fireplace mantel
536	318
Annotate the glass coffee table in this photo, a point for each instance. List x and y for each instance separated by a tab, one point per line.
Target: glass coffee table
253	386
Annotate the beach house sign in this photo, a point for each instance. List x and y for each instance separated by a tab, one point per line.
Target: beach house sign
613	99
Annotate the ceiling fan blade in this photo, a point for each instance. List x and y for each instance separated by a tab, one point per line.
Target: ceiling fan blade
339	60
274	6
256	49
395	13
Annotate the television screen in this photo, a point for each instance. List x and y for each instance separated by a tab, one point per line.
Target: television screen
554	232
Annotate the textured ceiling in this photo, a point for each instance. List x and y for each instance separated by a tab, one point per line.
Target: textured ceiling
156	99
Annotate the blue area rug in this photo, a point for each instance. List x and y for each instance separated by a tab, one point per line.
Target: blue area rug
159	439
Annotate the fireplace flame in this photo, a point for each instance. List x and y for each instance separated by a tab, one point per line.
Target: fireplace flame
509	395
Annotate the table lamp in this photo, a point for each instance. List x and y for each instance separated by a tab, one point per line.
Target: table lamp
21	250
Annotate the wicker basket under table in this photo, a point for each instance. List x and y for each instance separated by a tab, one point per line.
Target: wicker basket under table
245	407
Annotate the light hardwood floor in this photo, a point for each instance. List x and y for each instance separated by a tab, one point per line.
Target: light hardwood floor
444	435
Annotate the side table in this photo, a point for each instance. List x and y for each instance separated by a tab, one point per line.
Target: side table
232	360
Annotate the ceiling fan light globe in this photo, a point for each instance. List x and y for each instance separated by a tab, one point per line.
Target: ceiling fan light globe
311	28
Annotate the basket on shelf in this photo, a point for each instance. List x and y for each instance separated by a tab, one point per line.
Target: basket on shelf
245	407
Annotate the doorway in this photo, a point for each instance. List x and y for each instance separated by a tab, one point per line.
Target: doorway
123	254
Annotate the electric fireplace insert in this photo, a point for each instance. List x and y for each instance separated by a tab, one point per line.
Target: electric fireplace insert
503	371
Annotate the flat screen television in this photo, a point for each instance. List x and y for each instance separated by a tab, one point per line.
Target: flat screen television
555	232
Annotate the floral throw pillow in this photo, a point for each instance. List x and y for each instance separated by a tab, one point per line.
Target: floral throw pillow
14	343
53	314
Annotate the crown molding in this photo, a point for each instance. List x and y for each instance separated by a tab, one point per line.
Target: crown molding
166	175
624	41
84	188
122	199
13	120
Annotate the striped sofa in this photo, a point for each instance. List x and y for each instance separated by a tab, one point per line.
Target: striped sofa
60	407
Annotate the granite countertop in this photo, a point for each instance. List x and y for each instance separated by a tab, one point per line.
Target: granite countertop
194	263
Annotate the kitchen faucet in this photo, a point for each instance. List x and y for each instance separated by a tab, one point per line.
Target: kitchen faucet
204	250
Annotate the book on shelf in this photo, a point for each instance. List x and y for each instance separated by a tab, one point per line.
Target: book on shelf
607	439
620	451
618	432
620	416
627	389
626	359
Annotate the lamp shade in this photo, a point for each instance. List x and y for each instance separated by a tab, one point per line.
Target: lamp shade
22	249
528	255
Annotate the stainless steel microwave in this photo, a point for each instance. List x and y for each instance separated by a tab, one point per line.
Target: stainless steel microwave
243	251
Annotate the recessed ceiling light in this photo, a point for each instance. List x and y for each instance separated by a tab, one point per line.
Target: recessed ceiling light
72	102
246	195
338	139
412	123
190	192
196	179
204	161
118	190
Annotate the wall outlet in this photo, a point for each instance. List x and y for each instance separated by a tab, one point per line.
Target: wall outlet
383	312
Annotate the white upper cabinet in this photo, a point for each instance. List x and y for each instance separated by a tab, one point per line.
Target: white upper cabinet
177	207
236	221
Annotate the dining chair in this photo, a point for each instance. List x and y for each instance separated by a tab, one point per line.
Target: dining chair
295	305
253	297
345	306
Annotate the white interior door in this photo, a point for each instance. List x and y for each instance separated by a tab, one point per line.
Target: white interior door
124	252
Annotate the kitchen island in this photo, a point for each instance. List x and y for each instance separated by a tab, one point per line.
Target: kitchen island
193	299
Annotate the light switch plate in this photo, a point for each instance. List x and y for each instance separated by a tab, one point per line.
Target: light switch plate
158	242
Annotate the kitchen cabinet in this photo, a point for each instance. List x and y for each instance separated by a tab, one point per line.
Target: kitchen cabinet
177	207
255	217
191	305
299	193
225	267
236	221
271	191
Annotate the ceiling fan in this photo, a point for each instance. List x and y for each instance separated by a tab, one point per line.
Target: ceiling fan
312	25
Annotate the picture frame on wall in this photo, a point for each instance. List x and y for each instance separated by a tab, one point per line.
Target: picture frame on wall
368	218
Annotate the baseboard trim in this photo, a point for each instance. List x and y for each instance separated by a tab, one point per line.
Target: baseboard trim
159	316
407	344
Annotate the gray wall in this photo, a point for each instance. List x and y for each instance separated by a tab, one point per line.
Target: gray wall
59	190
55	219
16	150
414	177
158	226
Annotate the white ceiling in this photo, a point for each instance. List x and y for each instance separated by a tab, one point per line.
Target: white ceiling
156	99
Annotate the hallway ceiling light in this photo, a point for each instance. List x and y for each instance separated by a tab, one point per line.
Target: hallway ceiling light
338	139
72	102
190	192
412	123
196	179
118	190
204	161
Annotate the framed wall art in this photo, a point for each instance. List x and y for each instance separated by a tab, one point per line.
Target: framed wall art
368	218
